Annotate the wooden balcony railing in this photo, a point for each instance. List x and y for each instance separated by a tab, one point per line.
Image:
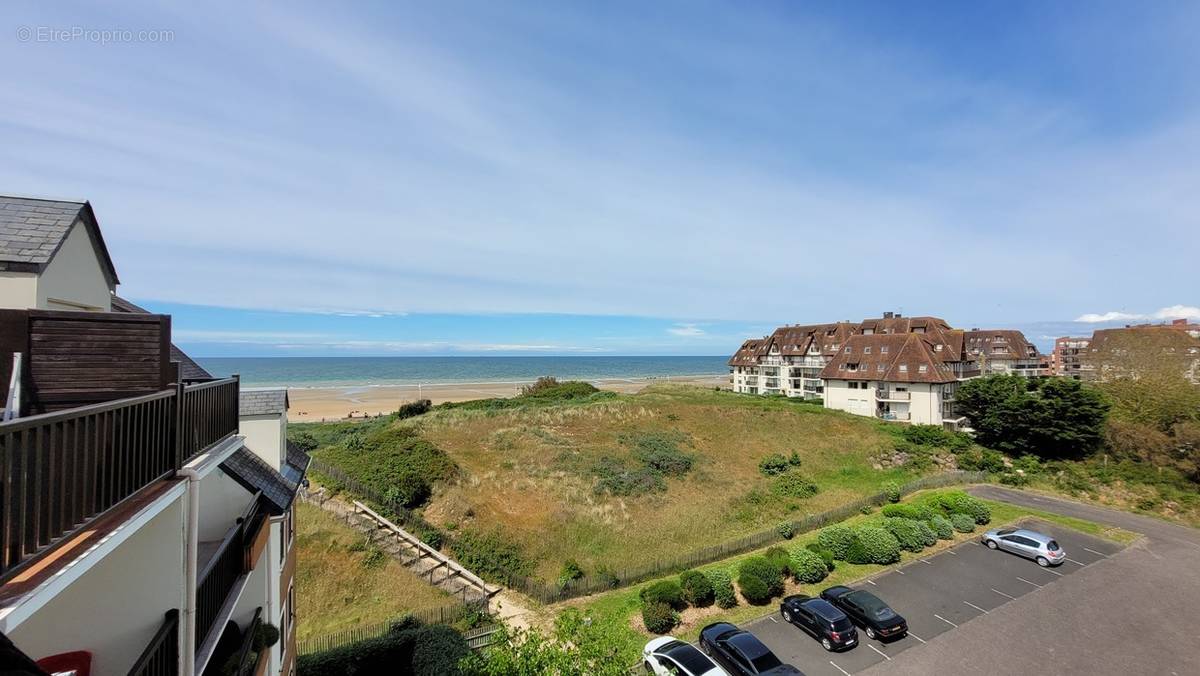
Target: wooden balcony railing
161	657
60	470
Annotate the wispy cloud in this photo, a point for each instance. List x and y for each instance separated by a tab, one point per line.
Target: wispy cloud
1173	312
686	330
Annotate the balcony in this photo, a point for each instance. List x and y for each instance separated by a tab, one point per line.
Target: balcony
161	657
59	471
901	416
225	569
892	395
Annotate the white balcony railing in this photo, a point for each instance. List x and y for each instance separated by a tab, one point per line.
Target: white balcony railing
892	395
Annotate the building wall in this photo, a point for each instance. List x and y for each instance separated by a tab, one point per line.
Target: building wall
18	290
74	278
116	607
266	435
924	405
838	395
222	502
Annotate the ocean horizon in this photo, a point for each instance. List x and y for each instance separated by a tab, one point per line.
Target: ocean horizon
321	372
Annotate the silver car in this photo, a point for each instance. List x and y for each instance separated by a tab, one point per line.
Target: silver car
1030	544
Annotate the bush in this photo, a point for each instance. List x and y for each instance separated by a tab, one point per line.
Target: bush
659	618
437	650
697	589
722	584
660	451
935	435
786	530
664	591
413	409
942	527
306	442
408	648
394	462
825	554
1014	479
961	503
615	477
962	523
571	571
794	485
764	570
983	460
906	533
878	545
918	512
780	557
926	533
773	464
837	539
891	490
490	555
549	388
808	567
856	553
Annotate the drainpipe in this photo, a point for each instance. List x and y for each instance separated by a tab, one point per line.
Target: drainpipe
191	538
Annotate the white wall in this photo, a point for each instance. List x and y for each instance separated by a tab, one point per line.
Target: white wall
838	395
926	404
222	501
74	278
266	435
116	607
18	290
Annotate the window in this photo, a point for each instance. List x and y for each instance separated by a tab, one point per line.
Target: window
867	350
922	368
883	349
904	368
937	348
841	367
847	350
880	368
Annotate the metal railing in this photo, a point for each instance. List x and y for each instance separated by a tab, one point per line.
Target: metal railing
217	580
60	470
893	415
247	659
893	395
161	657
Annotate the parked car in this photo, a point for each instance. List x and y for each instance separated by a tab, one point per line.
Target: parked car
1030	544
667	656
821	620
868	611
740	653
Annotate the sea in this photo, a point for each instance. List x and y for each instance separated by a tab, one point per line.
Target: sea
385	371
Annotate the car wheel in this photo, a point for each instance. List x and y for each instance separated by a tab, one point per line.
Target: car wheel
705	649
826	644
992	544
649	669
870	632
787	616
1042	561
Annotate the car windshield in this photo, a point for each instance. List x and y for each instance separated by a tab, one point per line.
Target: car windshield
765	661
1052	546
872	606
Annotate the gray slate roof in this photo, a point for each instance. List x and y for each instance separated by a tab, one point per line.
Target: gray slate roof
188	368
33	229
254	474
262	402
296	463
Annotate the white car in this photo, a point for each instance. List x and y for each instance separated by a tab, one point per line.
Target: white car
667	656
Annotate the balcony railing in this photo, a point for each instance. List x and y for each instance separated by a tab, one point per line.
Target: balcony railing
231	560
247	659
893	415
892	395
60	470
161	657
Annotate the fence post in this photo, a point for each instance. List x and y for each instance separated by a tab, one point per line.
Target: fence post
178	423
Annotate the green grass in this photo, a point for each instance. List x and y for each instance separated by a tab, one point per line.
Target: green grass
341	585
621	609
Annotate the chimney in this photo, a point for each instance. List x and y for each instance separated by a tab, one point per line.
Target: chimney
887	315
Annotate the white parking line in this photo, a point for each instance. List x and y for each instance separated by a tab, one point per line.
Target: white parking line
1053	571
985	612
925	561
1095	552
872	582
772	618
899	571
951	552
1003	594
1028	582
835	666
879	651
1078	563
916	637
945	620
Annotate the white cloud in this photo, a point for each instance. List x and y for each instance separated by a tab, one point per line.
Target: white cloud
1172	312
686	330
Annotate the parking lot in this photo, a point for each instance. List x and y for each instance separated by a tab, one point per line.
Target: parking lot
936	595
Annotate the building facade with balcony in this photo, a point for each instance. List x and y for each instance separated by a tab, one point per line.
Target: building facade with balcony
143	531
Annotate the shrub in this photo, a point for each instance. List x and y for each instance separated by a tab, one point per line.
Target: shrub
571	571
807	566
659	618
891	490
878	545
837	539
942	527
306	442
786	530
764	570
825	554
660	451
394	462
617	478
780	557
934	435
664	591
961	503
773	464
794	485
918	512
1014	479
490	555
983	460
437	650
408	648
905	531
607	577
413	409
866	509
856	553
549	388
962	523
926	533
722	584
696	587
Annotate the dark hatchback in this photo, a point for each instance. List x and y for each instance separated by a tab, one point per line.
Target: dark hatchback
741	653
868	611
821	620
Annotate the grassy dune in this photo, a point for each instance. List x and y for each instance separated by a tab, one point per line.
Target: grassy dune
341	585
526	472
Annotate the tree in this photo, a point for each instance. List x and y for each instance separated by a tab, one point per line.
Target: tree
1051	418
575	647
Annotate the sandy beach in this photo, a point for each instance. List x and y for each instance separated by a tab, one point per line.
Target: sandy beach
333	403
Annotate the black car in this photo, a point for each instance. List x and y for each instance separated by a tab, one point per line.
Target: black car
740	653
867	611
821	619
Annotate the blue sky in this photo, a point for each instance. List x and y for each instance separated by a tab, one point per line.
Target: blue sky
622	177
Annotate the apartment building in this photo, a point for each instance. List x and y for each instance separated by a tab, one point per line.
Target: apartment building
147	506
1136	350
1068	357
831	362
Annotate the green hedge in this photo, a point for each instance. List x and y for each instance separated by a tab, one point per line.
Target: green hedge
664	591
794	485
659	618
825	554
942	527
696	587
873	544
908	511
395	462
962	523
722	584
433	650
808	567
837	539
958	502
912	535
760	569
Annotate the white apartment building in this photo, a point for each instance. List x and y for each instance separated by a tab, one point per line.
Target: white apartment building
890	376
146	507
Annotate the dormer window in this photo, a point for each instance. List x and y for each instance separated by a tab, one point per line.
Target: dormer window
922	368
883	349
904	368
937	348
867	350
847	350
880	368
